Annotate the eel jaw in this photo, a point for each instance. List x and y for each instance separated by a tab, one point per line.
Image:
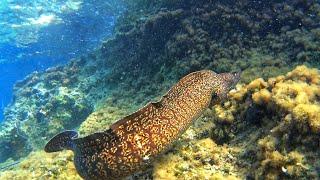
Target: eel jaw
227	81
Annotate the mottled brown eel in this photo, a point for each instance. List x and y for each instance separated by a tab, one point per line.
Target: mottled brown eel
133	142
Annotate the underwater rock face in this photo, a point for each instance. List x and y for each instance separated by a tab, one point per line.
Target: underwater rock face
288	130
263	38
221	36
41	165
286	143
44	104
159	45
197	159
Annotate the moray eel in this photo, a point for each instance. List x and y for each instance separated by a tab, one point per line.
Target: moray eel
132	143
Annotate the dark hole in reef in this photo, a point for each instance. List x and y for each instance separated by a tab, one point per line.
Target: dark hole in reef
221	134
254	114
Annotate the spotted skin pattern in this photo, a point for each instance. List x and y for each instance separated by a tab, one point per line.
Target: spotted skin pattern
131	144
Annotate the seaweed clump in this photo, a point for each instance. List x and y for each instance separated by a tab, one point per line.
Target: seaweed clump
283	114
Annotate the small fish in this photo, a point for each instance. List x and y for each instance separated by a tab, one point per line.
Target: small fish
132	143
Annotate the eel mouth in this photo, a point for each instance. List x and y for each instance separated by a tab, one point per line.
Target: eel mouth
237	77
234	78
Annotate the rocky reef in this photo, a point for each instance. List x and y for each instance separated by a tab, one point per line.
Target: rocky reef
263	39
276	122
269	128
44	104
40	165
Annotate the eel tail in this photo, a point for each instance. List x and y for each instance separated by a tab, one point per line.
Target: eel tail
61	141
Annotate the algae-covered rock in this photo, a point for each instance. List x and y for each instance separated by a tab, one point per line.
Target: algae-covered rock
197	159
156	43
41	165
298	95
283	116
276	165
43	105
264	130
101	119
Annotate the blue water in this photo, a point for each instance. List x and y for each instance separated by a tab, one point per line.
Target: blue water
25	48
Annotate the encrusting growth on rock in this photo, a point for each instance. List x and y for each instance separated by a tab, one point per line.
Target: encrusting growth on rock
284	114
279	143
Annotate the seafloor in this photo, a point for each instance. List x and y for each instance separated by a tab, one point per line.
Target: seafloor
269	128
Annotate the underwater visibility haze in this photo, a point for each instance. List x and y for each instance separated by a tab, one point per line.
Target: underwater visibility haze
36	35
144	89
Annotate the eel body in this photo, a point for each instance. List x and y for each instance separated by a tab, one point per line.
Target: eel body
130	144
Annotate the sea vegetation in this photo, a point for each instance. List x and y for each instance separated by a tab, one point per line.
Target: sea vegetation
197	159
182	36
41	165
276	121
269	128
